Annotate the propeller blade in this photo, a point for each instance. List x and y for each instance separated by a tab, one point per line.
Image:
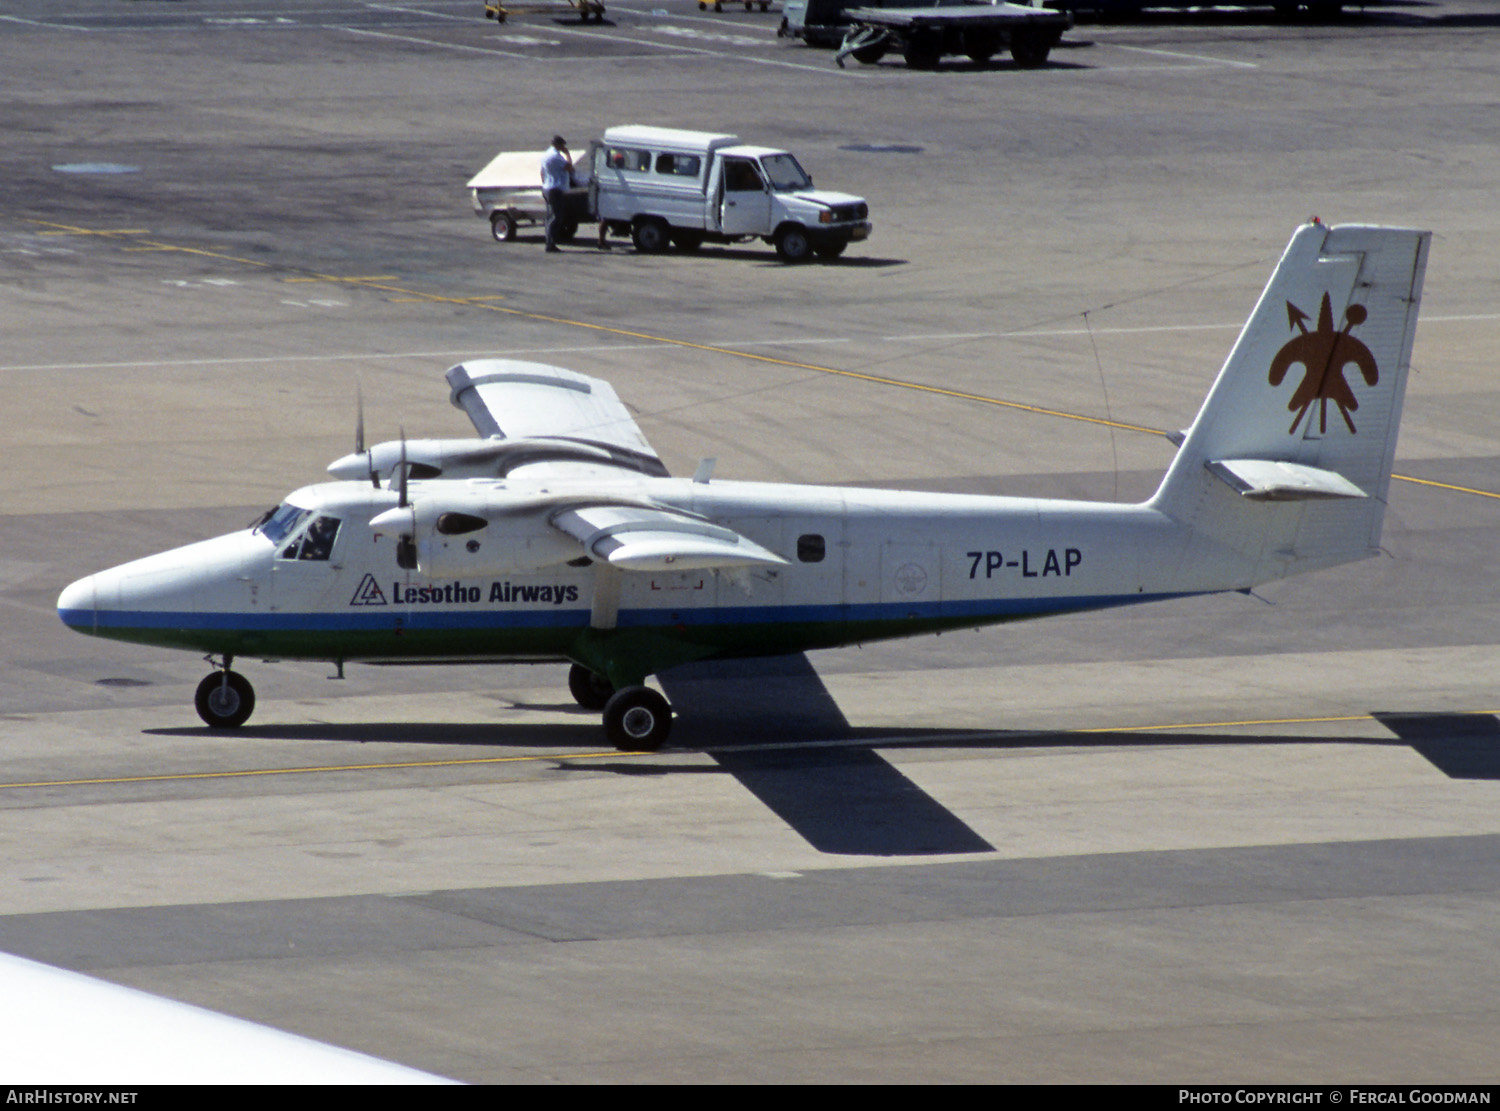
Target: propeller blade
359	434
359	418
402	502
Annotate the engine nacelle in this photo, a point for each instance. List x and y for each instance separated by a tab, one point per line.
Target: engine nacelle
455	545
465	534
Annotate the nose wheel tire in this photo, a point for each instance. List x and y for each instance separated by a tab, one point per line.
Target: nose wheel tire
637	719
589	689
225	700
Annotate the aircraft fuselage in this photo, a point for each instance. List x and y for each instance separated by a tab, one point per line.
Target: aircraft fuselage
861	565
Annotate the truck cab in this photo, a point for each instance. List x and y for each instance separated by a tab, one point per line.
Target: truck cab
661	186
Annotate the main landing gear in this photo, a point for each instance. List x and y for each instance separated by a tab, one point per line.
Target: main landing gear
636	719
225	699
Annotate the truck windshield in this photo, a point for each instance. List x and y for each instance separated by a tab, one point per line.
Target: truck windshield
785	173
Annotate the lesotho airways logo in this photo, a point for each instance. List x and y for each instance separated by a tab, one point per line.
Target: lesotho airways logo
1323	355
368	593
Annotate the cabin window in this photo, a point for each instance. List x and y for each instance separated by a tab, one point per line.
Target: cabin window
625	158
810	548
683	165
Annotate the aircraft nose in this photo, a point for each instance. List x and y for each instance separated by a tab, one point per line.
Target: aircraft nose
78	604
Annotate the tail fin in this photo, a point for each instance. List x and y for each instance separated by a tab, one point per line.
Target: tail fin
1288	464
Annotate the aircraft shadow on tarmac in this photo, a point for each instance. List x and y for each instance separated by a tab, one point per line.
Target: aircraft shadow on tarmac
774	727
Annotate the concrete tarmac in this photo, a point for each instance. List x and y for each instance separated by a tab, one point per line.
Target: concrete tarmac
1224	840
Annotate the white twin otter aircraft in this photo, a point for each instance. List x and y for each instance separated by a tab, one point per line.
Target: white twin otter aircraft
558	534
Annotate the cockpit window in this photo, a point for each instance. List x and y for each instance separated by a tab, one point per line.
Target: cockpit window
282	521
315	542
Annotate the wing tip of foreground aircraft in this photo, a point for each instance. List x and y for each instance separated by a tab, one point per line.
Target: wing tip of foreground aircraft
564	538
74	1029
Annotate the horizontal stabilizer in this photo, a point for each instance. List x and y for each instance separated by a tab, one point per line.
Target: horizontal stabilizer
1269	480
644	539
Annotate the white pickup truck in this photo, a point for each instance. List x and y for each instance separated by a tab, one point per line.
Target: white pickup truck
659	185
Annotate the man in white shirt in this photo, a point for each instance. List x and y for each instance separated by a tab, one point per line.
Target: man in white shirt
557	179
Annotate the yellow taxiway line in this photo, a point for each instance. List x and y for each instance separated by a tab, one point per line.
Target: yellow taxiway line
894	740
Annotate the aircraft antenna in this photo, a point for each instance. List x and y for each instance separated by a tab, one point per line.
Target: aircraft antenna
1114	450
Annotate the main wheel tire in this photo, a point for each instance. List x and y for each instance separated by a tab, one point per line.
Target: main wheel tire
502	227
830	249
869	55
589	689
225	700
566	230
793	245
637	719
650	236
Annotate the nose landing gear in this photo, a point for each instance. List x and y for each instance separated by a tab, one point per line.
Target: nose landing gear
225	699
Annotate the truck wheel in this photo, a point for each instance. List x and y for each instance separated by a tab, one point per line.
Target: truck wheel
792	244
830	249
1030	51
980	46
650	236
566	230
502	226
923	51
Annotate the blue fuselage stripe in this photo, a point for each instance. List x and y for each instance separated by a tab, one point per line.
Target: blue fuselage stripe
384	618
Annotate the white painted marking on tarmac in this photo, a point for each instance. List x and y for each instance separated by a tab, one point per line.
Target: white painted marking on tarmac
727	55
709	36
1026	333
39	23
1189	57
582	349
427	42
524	40
418	11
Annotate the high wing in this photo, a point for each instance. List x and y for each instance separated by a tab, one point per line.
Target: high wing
546	425
567	417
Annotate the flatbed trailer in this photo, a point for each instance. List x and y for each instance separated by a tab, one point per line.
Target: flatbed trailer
498	11
979	30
